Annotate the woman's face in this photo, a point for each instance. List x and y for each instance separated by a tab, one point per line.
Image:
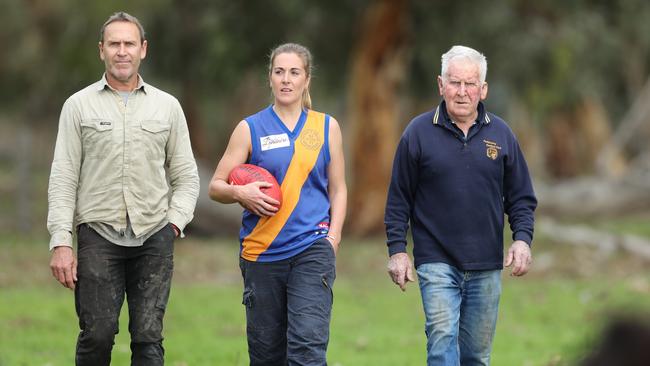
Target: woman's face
288	79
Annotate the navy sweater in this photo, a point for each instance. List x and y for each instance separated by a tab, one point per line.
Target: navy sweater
454	191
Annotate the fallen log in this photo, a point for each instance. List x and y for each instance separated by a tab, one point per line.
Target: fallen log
595	196
582	235
214	218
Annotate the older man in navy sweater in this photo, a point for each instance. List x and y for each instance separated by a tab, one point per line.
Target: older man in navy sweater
457	170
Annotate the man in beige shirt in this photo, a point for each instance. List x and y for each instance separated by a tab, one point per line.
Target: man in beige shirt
124	174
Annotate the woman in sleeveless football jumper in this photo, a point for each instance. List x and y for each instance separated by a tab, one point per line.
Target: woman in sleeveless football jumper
288	255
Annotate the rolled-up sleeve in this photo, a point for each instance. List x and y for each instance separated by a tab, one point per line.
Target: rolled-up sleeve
64	177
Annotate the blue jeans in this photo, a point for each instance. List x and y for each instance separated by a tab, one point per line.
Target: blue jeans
461	310
288	307
106	273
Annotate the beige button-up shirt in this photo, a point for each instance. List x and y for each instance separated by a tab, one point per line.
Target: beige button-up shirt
112	159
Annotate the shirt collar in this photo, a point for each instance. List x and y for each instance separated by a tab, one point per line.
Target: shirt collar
103	84
441	115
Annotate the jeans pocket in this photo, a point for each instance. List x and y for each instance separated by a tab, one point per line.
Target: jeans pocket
172	232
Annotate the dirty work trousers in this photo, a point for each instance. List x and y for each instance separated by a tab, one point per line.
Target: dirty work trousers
106	273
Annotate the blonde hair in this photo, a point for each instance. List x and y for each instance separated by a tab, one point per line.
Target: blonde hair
306	58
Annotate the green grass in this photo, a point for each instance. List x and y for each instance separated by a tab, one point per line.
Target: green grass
554	321
549	317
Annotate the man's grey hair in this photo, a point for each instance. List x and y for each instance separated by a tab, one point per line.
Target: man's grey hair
121	16
470	54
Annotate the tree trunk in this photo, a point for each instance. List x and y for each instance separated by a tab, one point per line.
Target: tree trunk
378	71
195	123
575	139
189	33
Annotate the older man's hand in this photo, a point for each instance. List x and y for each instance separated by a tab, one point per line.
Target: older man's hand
519	257
400	270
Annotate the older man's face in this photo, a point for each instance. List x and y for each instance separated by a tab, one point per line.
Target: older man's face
462	90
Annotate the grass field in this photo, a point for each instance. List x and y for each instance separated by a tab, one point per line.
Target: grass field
549	317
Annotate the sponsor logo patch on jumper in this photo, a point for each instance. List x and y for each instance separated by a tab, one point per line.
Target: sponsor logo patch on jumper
274	141
491	149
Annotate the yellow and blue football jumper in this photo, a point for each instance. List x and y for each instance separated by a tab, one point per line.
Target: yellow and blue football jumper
298	159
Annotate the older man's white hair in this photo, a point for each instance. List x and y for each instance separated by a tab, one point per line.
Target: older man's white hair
462	52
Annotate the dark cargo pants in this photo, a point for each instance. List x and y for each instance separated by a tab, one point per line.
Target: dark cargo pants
105	273
288	307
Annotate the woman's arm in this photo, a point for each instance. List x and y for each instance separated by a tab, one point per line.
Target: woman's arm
249	196
337	189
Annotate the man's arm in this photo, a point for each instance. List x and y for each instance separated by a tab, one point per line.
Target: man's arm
62	195
399	203
183	172
519	204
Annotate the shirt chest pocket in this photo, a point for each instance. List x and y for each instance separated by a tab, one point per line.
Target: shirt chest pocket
97	137
153	136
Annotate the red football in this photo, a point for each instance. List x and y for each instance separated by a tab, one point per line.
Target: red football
243	174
